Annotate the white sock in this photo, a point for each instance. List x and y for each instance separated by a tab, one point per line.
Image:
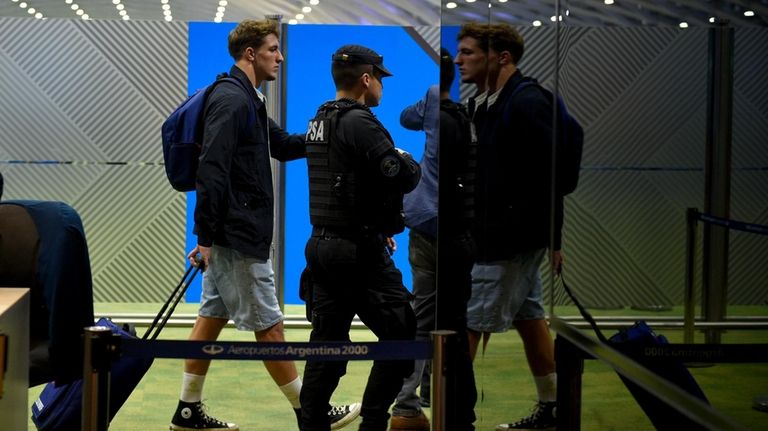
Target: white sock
546	386
192	388
291	391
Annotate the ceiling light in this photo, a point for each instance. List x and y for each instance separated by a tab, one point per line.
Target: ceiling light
120	7
749	13
502	1
80	12
450	5
31	11
115	1
15	1
537	23
712	19
293	21
299	16
168	18
23	5
608	1
85	16
683	24
314	2
123	12
163	1
166	7
68	1
220	11
75	6
126	17
470	1
38	15
306	9
168	13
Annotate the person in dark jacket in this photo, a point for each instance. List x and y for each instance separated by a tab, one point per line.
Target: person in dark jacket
513	210
357	179
442	281
234	219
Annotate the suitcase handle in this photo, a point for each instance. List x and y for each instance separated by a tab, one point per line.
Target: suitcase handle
175	297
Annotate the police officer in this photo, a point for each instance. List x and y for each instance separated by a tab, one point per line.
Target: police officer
357	179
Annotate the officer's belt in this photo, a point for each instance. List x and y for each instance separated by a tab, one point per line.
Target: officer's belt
351	234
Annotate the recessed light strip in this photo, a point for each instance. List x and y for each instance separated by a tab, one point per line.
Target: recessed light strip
77	9
220	11
121	10
30	10
303	13
167	14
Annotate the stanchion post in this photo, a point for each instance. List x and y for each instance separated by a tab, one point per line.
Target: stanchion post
569	361
440	343
692	217
96	365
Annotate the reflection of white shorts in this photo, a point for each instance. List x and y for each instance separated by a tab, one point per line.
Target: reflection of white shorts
505	291
241	288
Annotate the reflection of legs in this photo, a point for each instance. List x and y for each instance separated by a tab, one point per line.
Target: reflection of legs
421	255
473	338
540	352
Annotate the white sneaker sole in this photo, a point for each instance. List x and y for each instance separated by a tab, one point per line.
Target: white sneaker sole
354	412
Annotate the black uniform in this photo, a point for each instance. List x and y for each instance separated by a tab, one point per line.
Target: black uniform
357	182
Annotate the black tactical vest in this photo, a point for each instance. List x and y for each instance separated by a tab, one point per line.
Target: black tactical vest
340	197
332	188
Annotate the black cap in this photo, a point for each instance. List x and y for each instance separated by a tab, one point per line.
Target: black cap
358	54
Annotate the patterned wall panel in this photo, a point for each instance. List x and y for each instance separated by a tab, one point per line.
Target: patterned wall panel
95	106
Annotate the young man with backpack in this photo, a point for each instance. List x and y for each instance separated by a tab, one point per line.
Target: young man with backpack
234	220
513	206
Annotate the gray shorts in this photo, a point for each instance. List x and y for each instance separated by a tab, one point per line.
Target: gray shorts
240	288
505	291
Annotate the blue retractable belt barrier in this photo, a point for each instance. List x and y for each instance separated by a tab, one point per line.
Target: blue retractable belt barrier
330	351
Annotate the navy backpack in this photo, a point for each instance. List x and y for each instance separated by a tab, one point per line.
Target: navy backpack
182	135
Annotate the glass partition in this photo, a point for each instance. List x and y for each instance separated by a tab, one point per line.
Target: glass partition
660	89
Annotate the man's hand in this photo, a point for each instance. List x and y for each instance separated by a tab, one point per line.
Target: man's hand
205	256
556	261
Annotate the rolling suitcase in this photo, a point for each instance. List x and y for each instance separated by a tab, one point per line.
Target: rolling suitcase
636	338
59	406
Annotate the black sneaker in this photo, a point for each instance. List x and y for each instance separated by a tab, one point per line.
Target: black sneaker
341	416
192	417
543	417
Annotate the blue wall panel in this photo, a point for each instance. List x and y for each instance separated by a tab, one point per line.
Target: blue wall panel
309	85
308	50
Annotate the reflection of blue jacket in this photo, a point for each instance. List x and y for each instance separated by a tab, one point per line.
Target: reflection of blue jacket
420	205
514	175
234	179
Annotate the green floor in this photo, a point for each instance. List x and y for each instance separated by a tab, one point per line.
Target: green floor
242	392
